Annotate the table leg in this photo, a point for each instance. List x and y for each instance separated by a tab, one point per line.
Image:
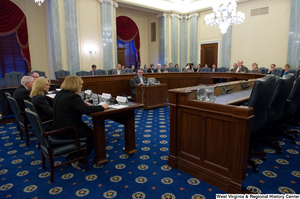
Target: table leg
99	140
129	133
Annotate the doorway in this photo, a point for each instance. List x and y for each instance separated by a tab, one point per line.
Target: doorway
209	53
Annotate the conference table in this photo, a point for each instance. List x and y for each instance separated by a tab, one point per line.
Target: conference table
124	115
210	141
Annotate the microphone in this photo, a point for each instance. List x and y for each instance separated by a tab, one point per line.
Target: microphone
235	86
84	95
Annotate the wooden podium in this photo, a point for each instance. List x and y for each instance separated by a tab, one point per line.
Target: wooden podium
152	96
209	141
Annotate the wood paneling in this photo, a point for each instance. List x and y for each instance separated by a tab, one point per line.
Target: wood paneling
152	96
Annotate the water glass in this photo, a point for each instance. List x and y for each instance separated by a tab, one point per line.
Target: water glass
209	90
213	98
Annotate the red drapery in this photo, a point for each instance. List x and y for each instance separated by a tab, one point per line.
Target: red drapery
12	19
127	30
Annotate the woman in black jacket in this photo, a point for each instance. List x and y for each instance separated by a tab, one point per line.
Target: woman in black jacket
39	88
68	108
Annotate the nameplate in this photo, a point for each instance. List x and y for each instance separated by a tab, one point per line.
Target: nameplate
122	99
106	95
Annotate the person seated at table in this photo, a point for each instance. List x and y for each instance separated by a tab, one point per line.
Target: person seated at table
198	68
123	67
176	66
68	110
139	79
206	66
240	68
272	67
159	69
170	65
94	68
214	68
118	71
286	69
255	68
39	88
188	68
133	68
151	69
23	91
145	66
165	68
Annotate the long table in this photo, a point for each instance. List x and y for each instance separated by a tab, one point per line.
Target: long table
210	141
120	84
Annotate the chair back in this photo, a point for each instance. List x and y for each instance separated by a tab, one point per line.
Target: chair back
282	90
16	110
263	70
38	129
222	70
61	73
41	73
293	100
100	72
205	69
173	70
294	71
260	98
30	106
144	70
83	73
278	72
2	82
183	69
110	71
127	71
132	87
13	78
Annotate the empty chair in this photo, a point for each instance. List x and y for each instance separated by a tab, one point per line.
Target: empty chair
294	71
100	72
263	70
127	71
222	70
173	70
110	71
260	98
13	78
61	73
205	69
51	151
278	72
144	70
83	73
183	69
2	82
23	124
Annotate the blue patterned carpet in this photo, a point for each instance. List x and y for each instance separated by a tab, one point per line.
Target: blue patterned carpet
141	175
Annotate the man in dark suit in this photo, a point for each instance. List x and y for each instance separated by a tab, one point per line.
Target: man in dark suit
151	69
118	71
272	67
139	79
159	69
240	68
94	68
23	91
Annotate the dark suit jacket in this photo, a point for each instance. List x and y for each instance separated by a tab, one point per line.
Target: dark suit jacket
68	108
136	80
242	70
21	94
150	71
161	70
42	105
91	72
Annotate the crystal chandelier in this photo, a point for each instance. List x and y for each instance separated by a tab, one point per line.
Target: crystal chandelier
224	15
39	2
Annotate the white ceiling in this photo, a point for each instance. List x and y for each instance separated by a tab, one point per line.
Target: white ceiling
176	6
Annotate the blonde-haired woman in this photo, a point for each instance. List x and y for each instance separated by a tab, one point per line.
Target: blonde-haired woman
39	88
255	68
68	110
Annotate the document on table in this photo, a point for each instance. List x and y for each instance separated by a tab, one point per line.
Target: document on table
117	106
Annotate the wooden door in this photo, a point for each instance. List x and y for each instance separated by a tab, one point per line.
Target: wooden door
209	54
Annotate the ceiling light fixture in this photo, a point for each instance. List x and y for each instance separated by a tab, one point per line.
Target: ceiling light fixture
224	15
39	2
